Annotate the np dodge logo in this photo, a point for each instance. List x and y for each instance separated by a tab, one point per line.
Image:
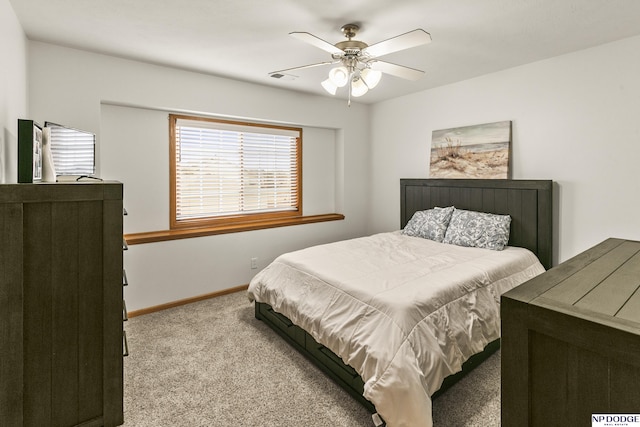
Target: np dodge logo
615	420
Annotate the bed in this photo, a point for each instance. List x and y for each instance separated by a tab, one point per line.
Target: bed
359	308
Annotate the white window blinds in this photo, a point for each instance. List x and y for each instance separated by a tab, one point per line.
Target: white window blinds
226	169
73	150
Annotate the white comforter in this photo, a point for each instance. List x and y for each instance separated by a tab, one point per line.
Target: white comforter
404	312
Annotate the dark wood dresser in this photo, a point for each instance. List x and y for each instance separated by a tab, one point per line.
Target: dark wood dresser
571	340
61	334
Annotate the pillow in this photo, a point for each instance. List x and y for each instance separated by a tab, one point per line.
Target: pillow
478	230
430	224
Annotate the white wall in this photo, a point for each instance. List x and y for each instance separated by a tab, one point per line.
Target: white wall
13	89
109	95
575	120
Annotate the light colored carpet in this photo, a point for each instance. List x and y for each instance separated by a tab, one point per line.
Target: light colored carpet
211	363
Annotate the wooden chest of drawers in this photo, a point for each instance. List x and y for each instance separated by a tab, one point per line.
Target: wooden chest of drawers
61	305
571	340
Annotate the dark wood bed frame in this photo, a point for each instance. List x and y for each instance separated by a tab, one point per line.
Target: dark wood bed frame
529	202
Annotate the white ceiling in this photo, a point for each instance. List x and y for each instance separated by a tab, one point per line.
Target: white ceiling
247	39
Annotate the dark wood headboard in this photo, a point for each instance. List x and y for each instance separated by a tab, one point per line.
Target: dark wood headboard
529	202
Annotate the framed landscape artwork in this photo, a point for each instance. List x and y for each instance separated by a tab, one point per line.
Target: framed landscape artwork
478	151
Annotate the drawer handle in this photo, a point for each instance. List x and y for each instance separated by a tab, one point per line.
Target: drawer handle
125	315
125	345
125	282
124	244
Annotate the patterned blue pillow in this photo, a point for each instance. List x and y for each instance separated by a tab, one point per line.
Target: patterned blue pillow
430	224
479	230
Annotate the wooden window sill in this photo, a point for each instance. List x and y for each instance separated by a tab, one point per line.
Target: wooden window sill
161	236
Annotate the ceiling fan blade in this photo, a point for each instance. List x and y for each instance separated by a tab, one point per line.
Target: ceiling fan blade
303	67
317	42
397	70
404	41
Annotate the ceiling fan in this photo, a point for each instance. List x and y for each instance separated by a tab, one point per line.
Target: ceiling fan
360	67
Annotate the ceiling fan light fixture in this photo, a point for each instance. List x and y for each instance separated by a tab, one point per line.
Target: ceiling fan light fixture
358	87
329	86
339	76
371	77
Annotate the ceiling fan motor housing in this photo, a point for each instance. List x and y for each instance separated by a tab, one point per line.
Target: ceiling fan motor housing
353	45
351	48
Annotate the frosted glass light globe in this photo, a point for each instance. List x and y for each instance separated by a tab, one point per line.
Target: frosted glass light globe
339	76
371	77
358	87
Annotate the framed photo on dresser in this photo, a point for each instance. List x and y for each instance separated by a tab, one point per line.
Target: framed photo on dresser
29	151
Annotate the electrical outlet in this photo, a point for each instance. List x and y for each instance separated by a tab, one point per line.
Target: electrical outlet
254	263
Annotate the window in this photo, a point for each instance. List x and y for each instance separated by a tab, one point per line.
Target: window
225	172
